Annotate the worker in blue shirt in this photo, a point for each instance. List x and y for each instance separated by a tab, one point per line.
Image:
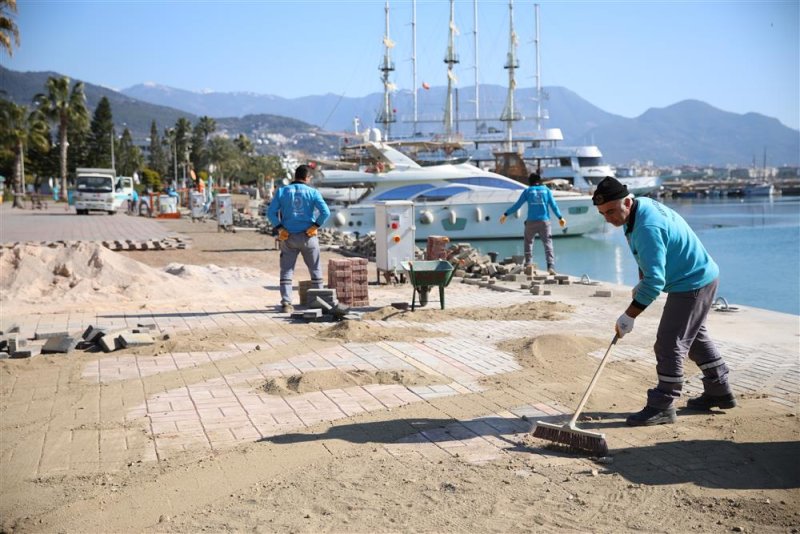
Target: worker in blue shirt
540	201
297	212
133	203
671	260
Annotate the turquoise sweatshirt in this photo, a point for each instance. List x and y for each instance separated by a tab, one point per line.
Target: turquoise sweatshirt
670	256
538	198
300	207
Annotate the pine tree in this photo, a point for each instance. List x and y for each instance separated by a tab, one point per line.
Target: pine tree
101	136
157	160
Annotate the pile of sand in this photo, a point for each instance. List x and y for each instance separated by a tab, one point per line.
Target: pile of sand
358	332
88	273
337	379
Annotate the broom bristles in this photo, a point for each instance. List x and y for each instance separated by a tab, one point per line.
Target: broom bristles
574	439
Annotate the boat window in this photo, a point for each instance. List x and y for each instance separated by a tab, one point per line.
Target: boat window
441	193
590	162
488	181
403	193
577	210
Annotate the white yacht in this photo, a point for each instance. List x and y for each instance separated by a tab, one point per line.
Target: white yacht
579	168
459	201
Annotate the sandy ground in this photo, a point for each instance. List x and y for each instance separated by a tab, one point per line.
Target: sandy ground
712	472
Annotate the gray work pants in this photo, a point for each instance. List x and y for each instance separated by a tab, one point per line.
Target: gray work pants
682	332
543	229
309	248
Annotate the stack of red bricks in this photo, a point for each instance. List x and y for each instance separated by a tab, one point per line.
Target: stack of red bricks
437	247
348	276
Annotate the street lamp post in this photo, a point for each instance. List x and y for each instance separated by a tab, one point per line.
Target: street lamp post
113	163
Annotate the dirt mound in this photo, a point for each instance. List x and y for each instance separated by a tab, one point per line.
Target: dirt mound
359	332
337	379
528	311
564	353
84	273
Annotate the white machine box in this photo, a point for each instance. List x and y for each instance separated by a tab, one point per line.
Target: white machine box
394	234
224	211
198	205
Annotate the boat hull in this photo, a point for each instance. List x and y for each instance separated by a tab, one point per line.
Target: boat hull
472	221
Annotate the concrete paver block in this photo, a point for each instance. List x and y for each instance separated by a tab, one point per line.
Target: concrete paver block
59	345
130	339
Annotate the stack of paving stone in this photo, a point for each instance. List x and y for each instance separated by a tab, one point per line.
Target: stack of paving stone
437	247
323	306
14	345
348	278
168	243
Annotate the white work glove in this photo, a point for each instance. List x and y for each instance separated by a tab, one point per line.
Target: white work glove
624	325
562	222
503	219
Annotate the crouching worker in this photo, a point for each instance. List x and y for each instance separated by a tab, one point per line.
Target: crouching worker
297	212
672	260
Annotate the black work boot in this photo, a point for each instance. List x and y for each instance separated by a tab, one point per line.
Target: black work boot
652	416
706	402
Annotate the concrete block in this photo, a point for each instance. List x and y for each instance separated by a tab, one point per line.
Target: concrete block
59	345
535	290
546	292
602	293
312	314
25	353
561	277
550	281
298	315
131	339
16	343
108	343
564	282
93	333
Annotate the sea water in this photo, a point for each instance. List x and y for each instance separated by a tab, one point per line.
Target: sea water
755	242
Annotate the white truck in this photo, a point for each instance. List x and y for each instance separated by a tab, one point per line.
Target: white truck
94	190
100	190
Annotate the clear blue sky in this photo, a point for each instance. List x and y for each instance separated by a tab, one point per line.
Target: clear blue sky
623	57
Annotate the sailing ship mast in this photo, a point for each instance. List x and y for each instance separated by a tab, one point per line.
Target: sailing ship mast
414	58
477	85
540	114
510	114
386	116
451	58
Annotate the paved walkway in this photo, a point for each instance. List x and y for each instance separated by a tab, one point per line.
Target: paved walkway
149	406
59	222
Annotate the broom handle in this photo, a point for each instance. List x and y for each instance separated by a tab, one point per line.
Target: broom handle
593	382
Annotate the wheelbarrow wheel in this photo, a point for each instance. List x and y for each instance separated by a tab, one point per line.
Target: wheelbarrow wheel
423	295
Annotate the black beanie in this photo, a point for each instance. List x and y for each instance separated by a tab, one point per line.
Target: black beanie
534	178
609	189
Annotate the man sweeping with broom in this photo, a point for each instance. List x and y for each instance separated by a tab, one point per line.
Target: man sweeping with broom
672	260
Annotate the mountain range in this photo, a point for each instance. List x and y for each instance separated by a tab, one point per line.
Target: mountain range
688	132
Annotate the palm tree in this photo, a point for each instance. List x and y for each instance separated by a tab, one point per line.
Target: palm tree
68	109
20	128
8	28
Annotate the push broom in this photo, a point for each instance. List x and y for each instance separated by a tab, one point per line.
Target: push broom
571	437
